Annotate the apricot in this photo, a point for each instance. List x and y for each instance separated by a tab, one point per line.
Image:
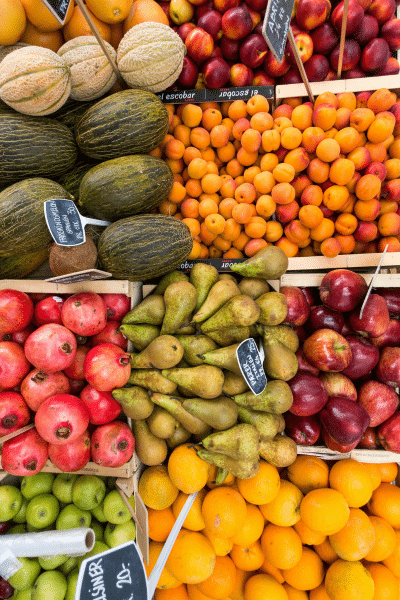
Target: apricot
283	193
381	128
289	248
348	139
312	194
283	172
335	197
347	243
367	210
392	168
270	140
323	231
269	161
324	116
381	99
312	136
341	171
392	243
318	170
346	224
282	123
302	117
331	247
300	183
328	150
291	138
368	187
366	232
346	100
298	158
361	157
296	232
361	119
273	232
389	224
342	118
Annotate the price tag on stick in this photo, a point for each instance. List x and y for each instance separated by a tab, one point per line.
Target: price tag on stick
251	366
58	8
378	268
276	25
65	223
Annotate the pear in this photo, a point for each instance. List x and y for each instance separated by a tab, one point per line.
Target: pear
150	449
276	398
180	436
273	308
140	334
220	413
267	424
161	423
203	277
227	277
243	469
229	335
198	437
152	380
162	353
268	263
135	401
284	334
239	311
234	384
205	381
174	405
180	299
224	358
194	346
169	278
279	361
240	442
187	329
150	311
218	295
281	451
253	287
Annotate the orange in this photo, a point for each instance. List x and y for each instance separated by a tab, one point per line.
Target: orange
156	488
194	593
349	580
252	528
324	510
284	509
167	580
294	594
160	523
192	557
307	535
222	580
143	11
48	39
263	586
187	471
12	21
308	473
249	557
268	567
386	584
392	562
388	471
352	479
224	511
326	552
263	487
39	15
177	593
77	25
356	538
385	502
319	593
222	545
110	11
281	546
194	520
308	573
385	540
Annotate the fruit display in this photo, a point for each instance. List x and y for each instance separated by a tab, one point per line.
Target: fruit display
46	501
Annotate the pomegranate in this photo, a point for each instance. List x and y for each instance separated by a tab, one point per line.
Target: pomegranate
25	454
13	365
76	386
19	337
117	305
48	310
14	412
38	386
16	310
75	370
84	313
106	367
72	456
112	445
102	407
111	335
51	348
61	419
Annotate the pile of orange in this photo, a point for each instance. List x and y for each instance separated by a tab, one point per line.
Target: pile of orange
311	179
314	531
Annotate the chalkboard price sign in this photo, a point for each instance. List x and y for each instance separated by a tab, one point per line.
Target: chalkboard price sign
276	25
116	574
251	366
65	223
59	8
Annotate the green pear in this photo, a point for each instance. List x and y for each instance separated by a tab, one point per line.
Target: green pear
273	308
180	436
224	358
33	485
194	346
71	516
42	510
169	278
115	535
203	277
98	530
239	442
62	486
230	335
268	263
220	413
267	424
239	311
279	361
26	576
162	353
20	517
98	513
218	295
253	287
52	562
23	594
68	565
152	380
72	580
276	398
234	384
150	311
173	404
204	381
161	423
115	509
88	492
180	299
97	548
10	502
281	451
50	585
135	401
284	334
243	469
139	334
150	449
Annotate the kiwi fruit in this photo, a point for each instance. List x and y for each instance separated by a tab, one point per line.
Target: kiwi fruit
69	259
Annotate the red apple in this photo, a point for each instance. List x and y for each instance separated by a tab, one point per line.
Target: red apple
184	29
391	33
351	55
253	51
324	38
337	384
344	420
311	294
229	48
303	430
317	68
323	317
292	76
327	350
237	23
304	45
312	13
274	68
240	75
392	297
216	73
382	10
391	337
188	76
389	433
369	439
379	400
303	365
309	395
298	308
261	78
366	232
258	5
199	44
388	367
354	73
342	289
203	8
392	67
375	317
355	15
367	31
210	21
365	357
334	445
374	55
223	5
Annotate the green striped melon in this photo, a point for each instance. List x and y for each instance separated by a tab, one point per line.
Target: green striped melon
16	267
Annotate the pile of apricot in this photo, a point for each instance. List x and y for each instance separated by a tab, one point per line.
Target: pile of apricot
312	179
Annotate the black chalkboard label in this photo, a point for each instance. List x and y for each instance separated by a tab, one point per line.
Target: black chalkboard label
59	8
64	222
116	574
250	364
221	264
276	25
218	95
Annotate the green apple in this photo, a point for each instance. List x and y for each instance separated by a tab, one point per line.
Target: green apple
69	565
20	528
97	548
26	576
42	510
115	535
10	502
115	509
88	492
98	531
72	580
31	528
50	585
71	516
33	485
98	513
20	517
23	594
62	486
52	562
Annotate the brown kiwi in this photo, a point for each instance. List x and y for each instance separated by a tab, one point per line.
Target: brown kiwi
64	259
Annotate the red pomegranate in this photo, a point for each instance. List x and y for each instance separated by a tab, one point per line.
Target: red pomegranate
75	370
76	386
51	347
84	313
48	310
72	456
25	454
16	310
19	337
14	412
61	419
106	367
112	445
38	386
111	335
102	407
117	305
13	365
